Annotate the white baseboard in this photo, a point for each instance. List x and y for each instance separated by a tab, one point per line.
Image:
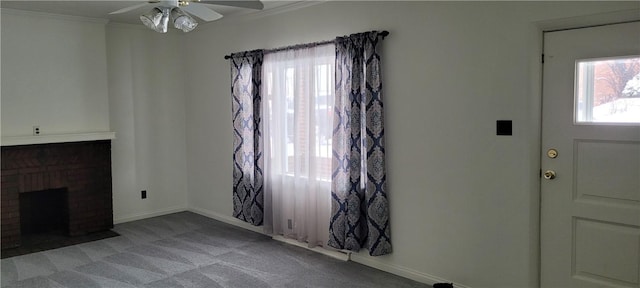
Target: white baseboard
362	259
227	219
140	216
331	253
236	222
401	271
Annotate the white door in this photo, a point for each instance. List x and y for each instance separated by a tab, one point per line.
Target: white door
590	210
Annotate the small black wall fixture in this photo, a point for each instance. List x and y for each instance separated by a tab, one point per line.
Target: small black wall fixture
504	128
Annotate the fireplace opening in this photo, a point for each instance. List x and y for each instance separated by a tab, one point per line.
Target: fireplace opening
44	223
44	216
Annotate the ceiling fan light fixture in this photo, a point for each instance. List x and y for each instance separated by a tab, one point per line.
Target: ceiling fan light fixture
152	18
183	21
156	19
164	21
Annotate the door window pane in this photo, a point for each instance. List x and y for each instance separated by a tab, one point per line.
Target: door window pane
608	90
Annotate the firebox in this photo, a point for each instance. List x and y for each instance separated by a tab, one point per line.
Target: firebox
44	213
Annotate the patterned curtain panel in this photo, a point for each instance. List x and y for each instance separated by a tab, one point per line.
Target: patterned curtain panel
359	203
248	182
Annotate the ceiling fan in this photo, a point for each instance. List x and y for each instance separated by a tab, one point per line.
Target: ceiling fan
178	10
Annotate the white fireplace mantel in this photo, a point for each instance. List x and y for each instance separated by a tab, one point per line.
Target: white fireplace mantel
56	138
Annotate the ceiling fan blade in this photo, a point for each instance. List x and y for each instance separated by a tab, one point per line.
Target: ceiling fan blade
201	11
251	4
130	8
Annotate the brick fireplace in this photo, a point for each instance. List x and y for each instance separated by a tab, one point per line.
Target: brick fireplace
80	171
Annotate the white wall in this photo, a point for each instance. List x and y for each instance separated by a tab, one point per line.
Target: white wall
54	74
147	112
464	202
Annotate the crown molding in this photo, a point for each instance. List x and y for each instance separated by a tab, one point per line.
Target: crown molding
18	12
253	15
294	5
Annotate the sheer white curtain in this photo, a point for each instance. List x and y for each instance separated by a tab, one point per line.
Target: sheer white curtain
298	91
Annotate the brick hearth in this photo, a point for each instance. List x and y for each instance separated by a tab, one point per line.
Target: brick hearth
82	168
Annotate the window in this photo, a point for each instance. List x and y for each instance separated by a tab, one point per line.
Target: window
608	90
291	161
299	87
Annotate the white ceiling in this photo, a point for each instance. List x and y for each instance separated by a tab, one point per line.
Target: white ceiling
101	9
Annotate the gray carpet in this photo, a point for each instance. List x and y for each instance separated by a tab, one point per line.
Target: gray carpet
188	250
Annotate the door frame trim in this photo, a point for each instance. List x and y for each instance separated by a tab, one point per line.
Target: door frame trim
587	21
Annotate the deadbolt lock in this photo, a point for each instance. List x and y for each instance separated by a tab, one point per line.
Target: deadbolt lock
552	153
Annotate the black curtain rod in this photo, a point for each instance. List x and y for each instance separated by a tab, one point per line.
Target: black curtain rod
382	34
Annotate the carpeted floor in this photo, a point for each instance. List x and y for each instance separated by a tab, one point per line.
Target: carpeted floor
188	250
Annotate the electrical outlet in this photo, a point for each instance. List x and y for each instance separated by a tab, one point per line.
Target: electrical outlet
289	224
143	194
36	130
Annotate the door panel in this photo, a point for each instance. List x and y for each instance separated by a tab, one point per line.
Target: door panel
606	252
590	210
605	173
